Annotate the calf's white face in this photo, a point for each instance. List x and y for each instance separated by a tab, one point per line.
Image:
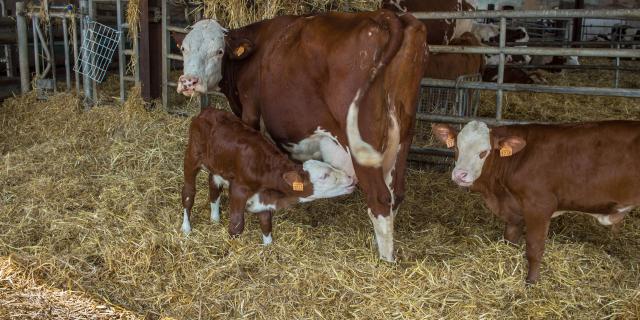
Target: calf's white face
202	51
327	181
474	145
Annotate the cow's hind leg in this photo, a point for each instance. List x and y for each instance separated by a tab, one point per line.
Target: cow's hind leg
381	213
214	198
191	170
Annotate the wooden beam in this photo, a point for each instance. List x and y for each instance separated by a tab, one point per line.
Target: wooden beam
143	54
577	22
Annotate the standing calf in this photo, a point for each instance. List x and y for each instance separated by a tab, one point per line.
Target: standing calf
528	174
260	178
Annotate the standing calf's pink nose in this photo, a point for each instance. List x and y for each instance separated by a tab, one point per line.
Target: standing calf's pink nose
460	174
188	81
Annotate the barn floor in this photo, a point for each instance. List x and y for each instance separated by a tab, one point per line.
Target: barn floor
90	203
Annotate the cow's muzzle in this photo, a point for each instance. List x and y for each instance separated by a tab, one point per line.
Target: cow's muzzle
190	85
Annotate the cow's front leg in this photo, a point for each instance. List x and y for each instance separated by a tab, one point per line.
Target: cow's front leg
265	225
251	115
238	196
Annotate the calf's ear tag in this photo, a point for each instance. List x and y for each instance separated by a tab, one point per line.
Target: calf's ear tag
298	186
506	151
451	142
239	51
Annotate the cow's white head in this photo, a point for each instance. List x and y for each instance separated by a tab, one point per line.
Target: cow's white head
328	182
202	50
473	145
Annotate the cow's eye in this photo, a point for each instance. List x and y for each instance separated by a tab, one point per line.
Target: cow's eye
483	154
220	52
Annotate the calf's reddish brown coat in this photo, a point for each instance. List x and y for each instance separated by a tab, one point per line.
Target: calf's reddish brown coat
588	167
259	176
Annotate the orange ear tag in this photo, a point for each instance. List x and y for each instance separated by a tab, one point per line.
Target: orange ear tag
451	142
506	151
239	51
298	186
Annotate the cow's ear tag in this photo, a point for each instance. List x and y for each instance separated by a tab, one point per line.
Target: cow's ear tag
298	186
506	151
451	142
239	51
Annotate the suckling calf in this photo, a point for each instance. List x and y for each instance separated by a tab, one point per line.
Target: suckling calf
528	174
260	178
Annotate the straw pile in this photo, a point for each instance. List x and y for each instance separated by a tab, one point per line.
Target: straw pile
23	298
90	202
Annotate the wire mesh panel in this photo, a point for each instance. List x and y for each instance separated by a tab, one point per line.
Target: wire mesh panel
99	42
444	101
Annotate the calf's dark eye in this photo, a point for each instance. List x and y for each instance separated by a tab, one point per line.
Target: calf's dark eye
483	154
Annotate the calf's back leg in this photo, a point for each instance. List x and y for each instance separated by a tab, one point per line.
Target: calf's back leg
191	170
214	198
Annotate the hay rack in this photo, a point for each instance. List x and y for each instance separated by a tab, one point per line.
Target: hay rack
99	43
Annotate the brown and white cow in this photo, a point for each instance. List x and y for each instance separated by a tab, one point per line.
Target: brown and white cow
349	77
440	32
260	177
452	65
528	174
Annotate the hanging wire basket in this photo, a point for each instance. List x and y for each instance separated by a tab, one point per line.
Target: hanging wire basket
99	42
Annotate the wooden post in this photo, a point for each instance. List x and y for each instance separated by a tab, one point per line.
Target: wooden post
150	41
143	51
577	22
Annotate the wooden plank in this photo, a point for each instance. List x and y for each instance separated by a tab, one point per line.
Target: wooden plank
143	58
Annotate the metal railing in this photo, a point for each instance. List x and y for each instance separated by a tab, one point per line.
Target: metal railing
503	50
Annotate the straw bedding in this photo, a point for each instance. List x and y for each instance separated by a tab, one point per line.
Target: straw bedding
90	208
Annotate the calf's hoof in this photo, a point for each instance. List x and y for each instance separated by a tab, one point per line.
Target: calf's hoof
186	225
267	239
531	281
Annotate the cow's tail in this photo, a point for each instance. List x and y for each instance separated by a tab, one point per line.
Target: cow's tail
362	151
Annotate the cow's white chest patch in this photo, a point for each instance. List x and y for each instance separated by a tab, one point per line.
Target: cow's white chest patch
323	146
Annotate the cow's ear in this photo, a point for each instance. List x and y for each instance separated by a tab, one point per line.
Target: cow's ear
445	134
510	145
178	38
239	48
292	177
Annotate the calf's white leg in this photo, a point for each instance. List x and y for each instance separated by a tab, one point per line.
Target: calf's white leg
186	225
